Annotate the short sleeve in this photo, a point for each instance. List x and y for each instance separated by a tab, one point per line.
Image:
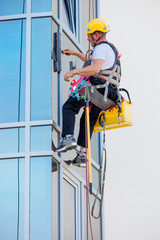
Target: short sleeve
99	52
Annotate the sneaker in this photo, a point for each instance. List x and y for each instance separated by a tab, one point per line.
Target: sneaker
67	143
79	160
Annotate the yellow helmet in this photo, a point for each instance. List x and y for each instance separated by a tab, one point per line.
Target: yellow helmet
97	24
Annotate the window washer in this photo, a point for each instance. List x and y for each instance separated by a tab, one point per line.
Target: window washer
104	62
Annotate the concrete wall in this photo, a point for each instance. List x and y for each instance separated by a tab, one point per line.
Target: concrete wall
132	195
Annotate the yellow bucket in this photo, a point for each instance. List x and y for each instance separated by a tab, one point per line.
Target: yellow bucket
111	116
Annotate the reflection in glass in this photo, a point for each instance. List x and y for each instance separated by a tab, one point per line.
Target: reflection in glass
41	138
12	140
8	7
41	5
41	198
12	199
12	71
69	211
41	69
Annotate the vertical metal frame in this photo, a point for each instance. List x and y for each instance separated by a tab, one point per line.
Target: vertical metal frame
27	129
60	209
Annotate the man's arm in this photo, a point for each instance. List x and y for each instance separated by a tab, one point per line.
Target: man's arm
70	52
86	71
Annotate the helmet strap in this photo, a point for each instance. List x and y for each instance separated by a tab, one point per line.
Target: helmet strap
95	41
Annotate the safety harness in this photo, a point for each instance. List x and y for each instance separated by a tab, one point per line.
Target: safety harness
111	75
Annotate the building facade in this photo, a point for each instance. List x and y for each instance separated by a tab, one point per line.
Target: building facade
41	197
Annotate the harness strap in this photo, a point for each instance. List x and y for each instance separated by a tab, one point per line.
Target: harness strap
116	69
114	73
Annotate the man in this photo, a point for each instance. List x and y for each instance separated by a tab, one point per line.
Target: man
103	58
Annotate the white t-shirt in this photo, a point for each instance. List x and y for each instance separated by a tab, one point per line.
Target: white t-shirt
104	51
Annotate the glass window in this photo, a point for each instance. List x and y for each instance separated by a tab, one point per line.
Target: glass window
12	140
69	14
41	75
69	211
41	138
12	71
41	5
8	7
55	200
12	199
41	198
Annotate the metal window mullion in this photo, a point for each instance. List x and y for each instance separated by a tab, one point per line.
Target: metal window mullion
97	9
13	17
79	211
12	155
60	169
27	129
82	210
76	213
12	125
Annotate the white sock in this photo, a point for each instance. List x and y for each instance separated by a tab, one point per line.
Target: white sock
68	135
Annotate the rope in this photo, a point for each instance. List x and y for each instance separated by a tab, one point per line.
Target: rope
103	164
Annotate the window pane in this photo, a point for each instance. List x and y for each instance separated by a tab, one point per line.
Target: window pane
69	14
8	7
12	140
41	5
40	198
11	199
12	71
41	70
69	211
41	138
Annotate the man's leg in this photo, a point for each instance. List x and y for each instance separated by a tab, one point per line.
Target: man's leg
80	159
93	116
70	108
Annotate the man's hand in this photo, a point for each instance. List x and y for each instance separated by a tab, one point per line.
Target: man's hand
68	52
68	75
